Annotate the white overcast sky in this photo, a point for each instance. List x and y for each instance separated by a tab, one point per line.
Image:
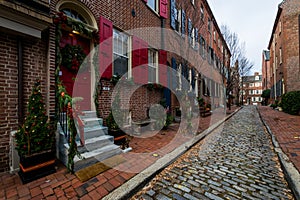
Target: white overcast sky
252	20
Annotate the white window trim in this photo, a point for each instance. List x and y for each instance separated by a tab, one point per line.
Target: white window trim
154	65
129	63
179	13
179	69
157	6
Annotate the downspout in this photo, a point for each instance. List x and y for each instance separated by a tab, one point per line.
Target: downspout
274	67
20	82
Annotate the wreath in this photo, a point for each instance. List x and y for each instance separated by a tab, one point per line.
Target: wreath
72	57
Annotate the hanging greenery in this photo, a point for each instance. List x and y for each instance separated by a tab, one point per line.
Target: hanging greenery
73	57
70	57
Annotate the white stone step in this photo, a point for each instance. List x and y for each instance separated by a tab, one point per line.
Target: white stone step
88	114
97	142
95	131
95	156
95	121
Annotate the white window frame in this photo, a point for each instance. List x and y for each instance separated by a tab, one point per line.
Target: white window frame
179	13
202	12
193	38
128	57
156	5
280	55
153	65
179	69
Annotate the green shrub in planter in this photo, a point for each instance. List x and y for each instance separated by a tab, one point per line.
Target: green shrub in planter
291	102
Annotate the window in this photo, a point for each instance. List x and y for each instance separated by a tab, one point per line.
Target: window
209	25
152	65
202	12
120	53
202	46
280	55
73	14
280	27
214	35
179	70
178	21
153	4
193	41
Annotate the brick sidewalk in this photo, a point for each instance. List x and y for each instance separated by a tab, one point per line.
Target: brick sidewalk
63	185
286	129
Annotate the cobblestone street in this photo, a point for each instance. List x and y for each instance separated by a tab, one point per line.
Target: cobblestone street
236	161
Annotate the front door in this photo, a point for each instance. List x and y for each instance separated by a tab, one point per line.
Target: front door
77	82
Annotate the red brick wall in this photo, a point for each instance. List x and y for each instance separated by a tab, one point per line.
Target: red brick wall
119	12
288	39
291	11
138	103
34	63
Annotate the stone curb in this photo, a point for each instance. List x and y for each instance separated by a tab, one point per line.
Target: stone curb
290	171
129	188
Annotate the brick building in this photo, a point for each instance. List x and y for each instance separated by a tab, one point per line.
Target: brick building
200	35
266	70
284	50
23	57
132	44
252	89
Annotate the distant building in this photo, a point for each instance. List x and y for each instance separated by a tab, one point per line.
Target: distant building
284	50
252	89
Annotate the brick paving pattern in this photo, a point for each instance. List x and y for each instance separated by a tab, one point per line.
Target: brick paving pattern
63	185
286	129
236	161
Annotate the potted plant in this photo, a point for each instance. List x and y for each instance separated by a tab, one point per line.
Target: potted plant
35	140
111	122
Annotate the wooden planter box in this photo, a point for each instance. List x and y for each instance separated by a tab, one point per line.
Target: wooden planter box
36	166
119	136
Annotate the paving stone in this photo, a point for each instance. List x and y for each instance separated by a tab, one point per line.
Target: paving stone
162	197
146	197
151	192
183	188
178	197
235	161
175	190
212	196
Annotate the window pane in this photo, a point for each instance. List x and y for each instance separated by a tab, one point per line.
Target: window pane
120	48
120	65
152	4
152	74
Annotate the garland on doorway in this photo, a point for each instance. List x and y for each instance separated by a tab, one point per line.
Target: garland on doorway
72	60
73	57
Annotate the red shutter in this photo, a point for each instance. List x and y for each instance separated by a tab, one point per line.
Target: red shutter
139	60
163	8
163	68
105	48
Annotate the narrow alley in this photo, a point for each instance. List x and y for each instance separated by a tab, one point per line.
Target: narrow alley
236	161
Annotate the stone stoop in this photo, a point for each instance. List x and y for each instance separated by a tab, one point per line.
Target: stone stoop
98	144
